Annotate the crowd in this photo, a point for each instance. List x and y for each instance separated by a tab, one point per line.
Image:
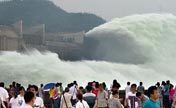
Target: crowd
93	95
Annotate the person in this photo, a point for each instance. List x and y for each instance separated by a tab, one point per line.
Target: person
141	88
73	91
51	91
29	98
2	104
95	86
20	97
81	90
102	98
142	98
56	96
154	96
166	94
41	92
104	86
81	103
174	100
14	99
89	97
38	101
171	94
160	90
115	85
66	99
131	99
4	95
127	88
114	102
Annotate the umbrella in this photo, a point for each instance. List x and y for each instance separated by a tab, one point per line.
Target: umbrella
49	86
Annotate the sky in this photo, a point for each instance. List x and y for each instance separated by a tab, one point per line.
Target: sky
109	9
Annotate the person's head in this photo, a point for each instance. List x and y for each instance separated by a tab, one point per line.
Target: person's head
57	84
104	85
96	84
75	83
79	97
115	94
89	88
114	81
133	88
2	84
139	95
158	84
163	83
12	91
18	85
41	85
60	84
101	87
140	83
14	83
168	82
34	89
128	83
29	98
81	90
67	89
22	91
153	93
171	86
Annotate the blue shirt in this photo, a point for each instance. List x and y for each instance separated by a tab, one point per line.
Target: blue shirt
166	91
151	104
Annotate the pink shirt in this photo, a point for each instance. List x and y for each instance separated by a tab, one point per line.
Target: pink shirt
171	93
26	106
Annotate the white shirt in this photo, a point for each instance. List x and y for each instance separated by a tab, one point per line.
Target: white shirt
3	94
38	103
132	96
21	100
26	106
73	91
127	89
82	104
14	102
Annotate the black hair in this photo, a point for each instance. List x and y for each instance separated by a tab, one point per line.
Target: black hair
96	84
21	88
67	89
80	97
116	84
57	84
133	85
168	82
2	84
34	86
151	90
163	83
89	88
140	83
28	96
171	86
41	85
138	94
128	83
158	84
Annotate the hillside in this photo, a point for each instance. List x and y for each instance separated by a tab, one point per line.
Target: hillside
34	12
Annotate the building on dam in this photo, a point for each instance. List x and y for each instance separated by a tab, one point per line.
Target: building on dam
68	46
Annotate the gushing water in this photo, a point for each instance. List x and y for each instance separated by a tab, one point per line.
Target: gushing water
134	48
